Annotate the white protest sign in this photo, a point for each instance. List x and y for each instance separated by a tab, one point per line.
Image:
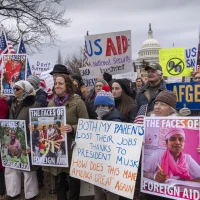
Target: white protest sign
131	75
107	154
191	57
38	66
110	52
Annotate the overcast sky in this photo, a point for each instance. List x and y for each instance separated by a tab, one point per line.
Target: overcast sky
173	21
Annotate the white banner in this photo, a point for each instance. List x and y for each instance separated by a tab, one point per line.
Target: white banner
131	76
107	154
110	52
38	66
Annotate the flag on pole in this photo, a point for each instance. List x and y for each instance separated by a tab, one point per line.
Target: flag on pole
22	50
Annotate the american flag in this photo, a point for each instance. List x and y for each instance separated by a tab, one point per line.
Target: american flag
22	50
141	114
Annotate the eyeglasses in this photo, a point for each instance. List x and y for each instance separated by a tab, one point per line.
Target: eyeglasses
173	139
16	88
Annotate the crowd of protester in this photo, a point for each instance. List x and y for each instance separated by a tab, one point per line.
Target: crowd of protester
113	100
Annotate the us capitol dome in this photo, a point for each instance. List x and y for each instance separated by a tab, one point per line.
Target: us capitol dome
149	49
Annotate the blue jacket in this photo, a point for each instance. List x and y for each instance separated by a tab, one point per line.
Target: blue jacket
142	99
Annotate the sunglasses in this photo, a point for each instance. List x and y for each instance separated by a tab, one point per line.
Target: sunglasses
16	88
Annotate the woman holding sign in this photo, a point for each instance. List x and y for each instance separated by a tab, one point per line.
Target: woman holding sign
75	108
24	99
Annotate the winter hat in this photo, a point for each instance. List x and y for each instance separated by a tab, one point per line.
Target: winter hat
167	97
27	87
101	81
173	131
34	81
104	97
61	69
125	85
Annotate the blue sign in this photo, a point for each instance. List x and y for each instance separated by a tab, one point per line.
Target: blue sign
188	94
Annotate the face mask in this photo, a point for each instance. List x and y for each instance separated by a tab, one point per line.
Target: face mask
101	112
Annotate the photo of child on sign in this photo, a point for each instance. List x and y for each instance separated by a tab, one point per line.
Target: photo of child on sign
13	145
13	70
173	161
48	139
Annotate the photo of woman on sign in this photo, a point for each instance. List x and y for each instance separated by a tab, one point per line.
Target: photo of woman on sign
172	163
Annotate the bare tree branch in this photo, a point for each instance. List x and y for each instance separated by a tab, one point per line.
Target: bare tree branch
36	21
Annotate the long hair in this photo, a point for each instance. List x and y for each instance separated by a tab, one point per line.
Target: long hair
124	104
69	83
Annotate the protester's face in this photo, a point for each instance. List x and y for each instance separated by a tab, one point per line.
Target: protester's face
162	109
176	144
98	87
116	90
60	87
153	75
139	83
13	136
18	91
197	77
75	84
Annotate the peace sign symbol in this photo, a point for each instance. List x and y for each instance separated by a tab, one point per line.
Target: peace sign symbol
175	66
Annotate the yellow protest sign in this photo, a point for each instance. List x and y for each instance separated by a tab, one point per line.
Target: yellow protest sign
173	62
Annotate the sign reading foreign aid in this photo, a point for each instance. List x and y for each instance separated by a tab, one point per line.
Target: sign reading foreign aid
173	62
107	155
111	52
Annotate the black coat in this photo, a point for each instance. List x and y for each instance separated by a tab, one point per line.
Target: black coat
91	109
41	98
114	115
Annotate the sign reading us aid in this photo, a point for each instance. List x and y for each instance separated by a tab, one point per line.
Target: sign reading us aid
111	52
188	94
191	57
173	62
103	155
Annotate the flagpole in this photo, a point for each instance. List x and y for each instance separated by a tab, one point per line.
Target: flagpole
19	44
3	30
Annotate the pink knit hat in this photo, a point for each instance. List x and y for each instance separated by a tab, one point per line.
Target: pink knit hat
173	131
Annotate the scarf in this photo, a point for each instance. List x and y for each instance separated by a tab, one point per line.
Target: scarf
60	101
179	168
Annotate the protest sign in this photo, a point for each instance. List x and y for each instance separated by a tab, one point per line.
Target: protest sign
131	76
173	62
109	52
188	94
39	66
87	189
170	161
191	58
14	144
103	155
48	138
13	70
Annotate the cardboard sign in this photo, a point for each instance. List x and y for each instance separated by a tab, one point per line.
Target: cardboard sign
173	62
103	155
48	139
188	94
170	161
13	70
109	52
38	66
14	144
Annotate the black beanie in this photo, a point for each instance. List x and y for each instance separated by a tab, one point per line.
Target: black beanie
125	85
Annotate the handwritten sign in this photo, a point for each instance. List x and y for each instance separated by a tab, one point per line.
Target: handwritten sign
191	57
38	66
188	94
103	155
111	52
173	62
158	154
